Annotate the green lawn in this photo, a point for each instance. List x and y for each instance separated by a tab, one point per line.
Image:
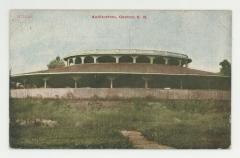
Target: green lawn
96	124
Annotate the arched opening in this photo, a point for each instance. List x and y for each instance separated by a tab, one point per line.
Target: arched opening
88	59
158	60
143	59
173	61
106	59
78	60
125	59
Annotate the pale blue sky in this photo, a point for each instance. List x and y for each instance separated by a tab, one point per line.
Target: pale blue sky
37	37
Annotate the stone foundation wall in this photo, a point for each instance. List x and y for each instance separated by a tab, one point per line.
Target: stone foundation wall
120	93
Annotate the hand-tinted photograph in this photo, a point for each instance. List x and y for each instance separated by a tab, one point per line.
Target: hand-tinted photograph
120	79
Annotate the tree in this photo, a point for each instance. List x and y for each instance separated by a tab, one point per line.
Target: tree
225	68
58	62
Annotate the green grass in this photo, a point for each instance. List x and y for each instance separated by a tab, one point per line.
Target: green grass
96	124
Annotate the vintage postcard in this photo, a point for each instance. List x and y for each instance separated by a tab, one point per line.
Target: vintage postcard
120	79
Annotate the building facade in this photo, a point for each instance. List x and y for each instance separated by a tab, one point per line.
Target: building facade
123	68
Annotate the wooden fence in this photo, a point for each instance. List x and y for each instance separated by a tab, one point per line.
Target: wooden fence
121	93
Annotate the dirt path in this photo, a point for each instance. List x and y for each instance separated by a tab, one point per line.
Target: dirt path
139	141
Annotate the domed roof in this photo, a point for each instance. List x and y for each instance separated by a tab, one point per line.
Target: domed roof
126	52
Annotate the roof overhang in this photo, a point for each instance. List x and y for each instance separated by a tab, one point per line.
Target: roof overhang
112	73
117	52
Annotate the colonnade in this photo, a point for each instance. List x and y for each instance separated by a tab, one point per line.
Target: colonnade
117	81
111	80
134	59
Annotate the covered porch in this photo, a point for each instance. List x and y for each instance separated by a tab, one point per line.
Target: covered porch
108	80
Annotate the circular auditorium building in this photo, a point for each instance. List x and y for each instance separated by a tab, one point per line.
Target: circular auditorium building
123	69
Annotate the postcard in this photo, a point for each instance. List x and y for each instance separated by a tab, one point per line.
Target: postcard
120	79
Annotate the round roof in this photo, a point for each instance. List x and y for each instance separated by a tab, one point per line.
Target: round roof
126	52
143	69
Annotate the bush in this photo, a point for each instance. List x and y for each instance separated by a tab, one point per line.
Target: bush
58	62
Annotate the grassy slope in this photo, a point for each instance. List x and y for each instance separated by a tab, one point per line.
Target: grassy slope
96	124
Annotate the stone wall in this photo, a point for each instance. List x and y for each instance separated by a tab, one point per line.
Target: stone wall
120	93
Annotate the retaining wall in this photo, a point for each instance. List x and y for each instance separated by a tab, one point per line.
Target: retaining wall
120	93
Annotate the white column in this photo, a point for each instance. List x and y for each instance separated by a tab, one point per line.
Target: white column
95	59
75	81
146	83
151	59
111	85
179	62
111	81
166	60
68	62
117	58
134	59
45	82
146	79
82	59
